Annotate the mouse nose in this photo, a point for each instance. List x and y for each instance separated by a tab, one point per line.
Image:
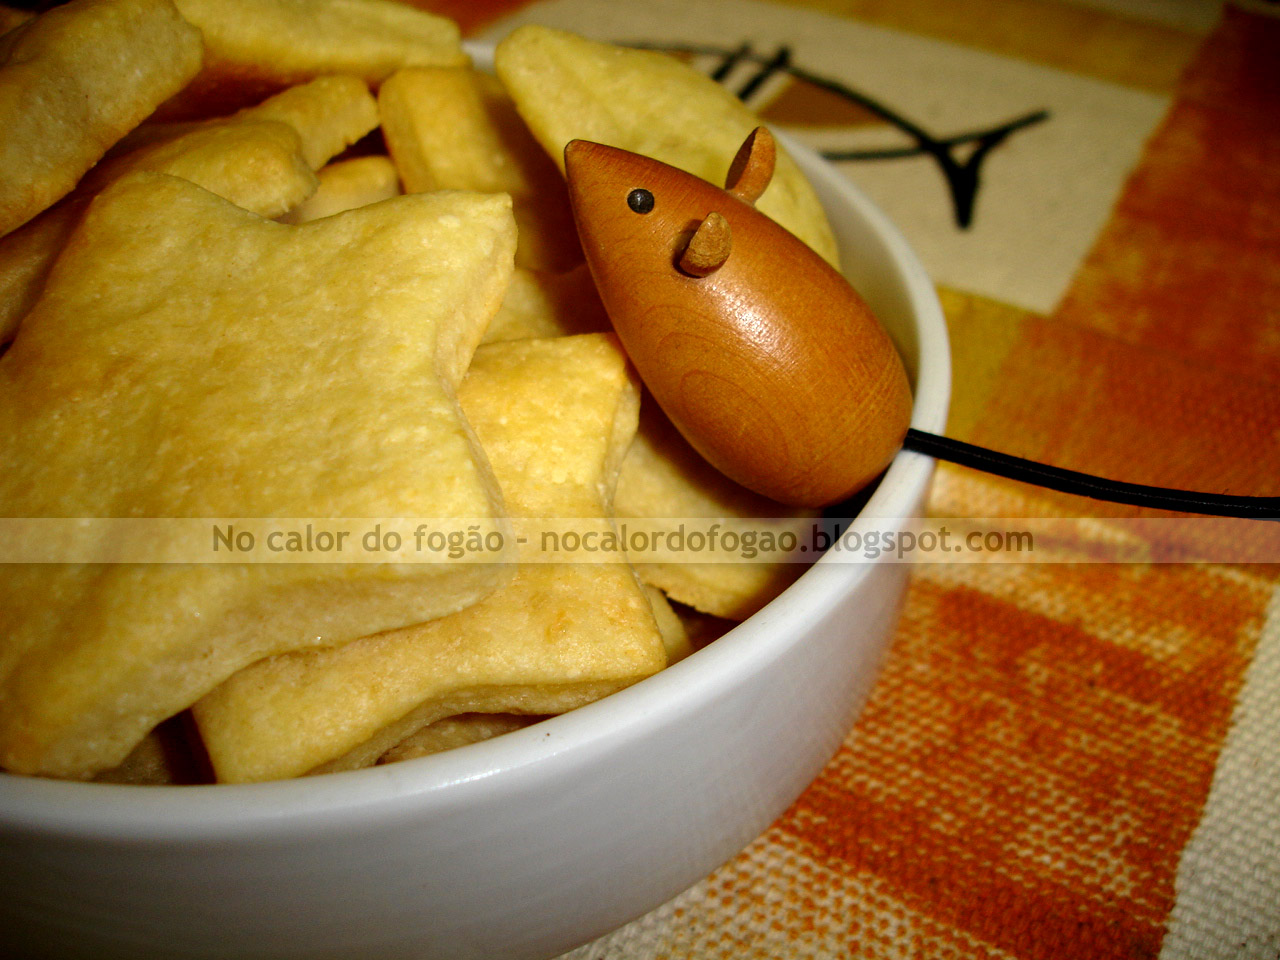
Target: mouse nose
580	167
598	177
577	157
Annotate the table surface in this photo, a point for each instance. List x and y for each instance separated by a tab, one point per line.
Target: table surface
1065	756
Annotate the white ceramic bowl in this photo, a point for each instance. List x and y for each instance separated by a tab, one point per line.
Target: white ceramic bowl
526	845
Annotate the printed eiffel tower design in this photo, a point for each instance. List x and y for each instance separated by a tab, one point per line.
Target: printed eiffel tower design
959	156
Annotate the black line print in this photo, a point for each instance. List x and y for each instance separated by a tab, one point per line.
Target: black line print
730	61
779	61
963	176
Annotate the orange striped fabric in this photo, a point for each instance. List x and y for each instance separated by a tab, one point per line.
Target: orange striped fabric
1189	261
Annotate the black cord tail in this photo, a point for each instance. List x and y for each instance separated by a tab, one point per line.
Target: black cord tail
1086	485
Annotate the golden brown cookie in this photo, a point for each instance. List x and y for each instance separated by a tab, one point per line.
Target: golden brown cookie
256	48
456	129
346	185
554	417
191	359
73	82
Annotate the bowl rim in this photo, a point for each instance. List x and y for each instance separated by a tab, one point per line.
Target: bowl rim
119	811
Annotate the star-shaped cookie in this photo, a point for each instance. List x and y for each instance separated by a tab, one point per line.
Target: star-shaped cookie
555	417
190	359
261	159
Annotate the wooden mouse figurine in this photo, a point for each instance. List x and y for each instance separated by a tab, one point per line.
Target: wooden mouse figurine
761	353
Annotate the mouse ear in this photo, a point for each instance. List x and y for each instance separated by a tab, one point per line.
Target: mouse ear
708	248
752	168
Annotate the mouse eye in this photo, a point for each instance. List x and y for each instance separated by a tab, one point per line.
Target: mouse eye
640	200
